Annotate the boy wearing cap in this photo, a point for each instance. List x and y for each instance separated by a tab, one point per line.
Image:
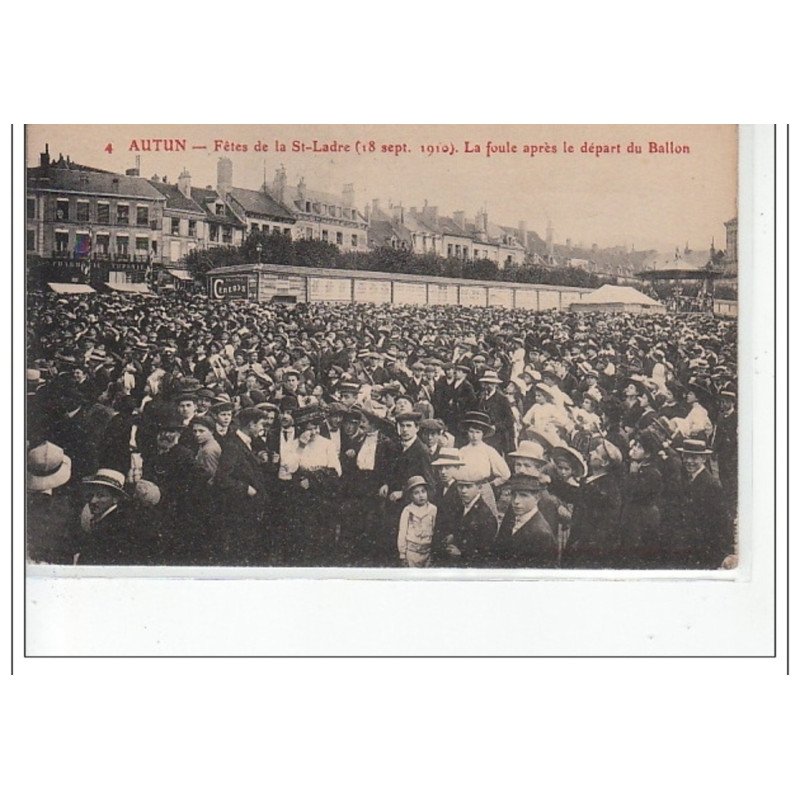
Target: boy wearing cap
417	521
476	525
525	539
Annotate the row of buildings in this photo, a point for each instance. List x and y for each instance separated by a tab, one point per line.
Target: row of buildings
78	215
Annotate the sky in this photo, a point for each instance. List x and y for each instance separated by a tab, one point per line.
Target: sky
614	197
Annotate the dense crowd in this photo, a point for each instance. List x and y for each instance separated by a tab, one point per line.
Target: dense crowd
176	430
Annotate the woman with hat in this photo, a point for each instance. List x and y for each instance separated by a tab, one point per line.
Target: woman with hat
641	545
545	412
314	467
481	457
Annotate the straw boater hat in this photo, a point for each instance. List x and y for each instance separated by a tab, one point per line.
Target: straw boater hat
490	376
478	419
695	447
48	467
109	478
448	457
572	457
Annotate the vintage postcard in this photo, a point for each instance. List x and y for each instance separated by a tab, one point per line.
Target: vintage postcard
396	348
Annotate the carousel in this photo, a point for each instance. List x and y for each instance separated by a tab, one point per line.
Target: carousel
691	288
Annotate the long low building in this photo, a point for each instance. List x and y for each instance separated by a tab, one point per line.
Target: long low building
270	283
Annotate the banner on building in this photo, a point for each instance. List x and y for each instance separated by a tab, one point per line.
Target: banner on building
230	287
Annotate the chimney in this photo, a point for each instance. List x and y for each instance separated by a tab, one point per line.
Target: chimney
134	171
348	196
376	205
398	215
301	189
549	238
44	158
224	177
279	184
430	213
523	233
185	183
459	219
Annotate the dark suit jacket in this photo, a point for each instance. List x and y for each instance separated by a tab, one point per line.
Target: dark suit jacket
407	463
706	535
474	536
238	469
533	545
499	410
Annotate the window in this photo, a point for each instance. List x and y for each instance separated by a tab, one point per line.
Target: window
254	227
192	227
154	246
30	209
449	250
354	240
142	215
175	226
82	210
324	236
339	238
122	245
219	208
287	231
226	234
142	243
213	232
30	240
62	241
102	243
123	215
103	213
309	233
308	206
62	210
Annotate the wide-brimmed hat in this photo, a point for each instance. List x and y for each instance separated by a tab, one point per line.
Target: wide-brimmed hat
109	478
572	457
413	482
694	447
478	419
490	376
545	389
308	415
547	440
206	421
448	457
169	420
530	449
48	467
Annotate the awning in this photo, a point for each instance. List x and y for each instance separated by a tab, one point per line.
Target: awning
135	288
71	288
181	274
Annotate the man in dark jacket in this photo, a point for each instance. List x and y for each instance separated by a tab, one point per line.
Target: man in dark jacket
498	408
475	527
241	485
705	538
525	539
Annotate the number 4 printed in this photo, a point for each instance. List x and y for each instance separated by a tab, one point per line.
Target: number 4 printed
109	148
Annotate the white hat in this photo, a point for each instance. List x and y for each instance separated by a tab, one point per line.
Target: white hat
48	467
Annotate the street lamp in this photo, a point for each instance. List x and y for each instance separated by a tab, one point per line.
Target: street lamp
258	252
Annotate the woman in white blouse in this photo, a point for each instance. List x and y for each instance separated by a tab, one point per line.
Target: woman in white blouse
314	466
481	457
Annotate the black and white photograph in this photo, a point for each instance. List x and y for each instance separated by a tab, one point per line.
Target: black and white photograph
393	348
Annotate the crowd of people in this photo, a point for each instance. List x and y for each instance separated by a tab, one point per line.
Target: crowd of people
178	430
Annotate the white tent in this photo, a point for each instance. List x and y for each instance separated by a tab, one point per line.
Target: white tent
618	298
71	288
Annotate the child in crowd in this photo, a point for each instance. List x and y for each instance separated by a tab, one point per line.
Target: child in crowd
417	521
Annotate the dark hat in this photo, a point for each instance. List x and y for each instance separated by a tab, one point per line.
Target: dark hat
649	441
414	481
335	409
432	425
288	403
170	420
308	415
412	416
205	421
525	483
208	394
478	419
349	386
